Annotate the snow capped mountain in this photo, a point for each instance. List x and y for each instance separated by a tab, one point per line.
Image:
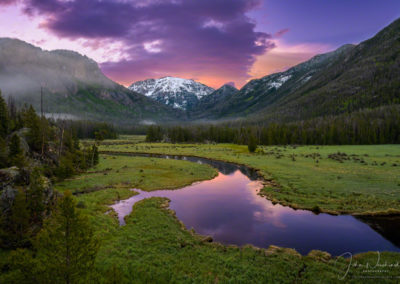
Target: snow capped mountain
176	92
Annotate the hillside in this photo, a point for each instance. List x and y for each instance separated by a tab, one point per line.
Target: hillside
260	93
345	80
73	86
212	101
368	76
351	78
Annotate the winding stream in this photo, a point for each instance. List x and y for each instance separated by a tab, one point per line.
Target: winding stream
229	209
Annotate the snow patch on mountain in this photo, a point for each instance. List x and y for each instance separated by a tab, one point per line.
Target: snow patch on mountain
176	92
279	82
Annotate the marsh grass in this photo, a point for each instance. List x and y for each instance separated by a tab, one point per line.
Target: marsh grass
137	172
155	247
337	179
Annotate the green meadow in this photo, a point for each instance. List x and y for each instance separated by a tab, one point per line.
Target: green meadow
334	179
155	247
139	172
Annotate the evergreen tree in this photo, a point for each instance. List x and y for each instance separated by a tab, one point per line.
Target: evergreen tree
4	119
16	155
14	224
66	247
99	135
252	145
66	167
36	197
32	121
150	136
3	153
95	155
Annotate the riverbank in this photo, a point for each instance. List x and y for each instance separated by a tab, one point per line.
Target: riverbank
154	246
357	180
148	174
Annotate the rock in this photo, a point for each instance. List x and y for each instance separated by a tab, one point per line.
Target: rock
7	198
8	177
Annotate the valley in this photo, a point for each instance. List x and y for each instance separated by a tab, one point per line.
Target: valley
153	234
207	143
350	79
336	179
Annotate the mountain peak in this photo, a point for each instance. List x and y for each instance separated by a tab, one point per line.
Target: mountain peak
228	87
177	92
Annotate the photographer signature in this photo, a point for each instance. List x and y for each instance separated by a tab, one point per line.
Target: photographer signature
376	267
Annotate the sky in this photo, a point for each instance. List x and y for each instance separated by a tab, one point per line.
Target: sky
211	41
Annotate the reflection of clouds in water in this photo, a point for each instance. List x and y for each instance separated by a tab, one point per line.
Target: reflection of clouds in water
266	211
229	208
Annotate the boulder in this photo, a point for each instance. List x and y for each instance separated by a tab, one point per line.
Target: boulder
8	177
7	197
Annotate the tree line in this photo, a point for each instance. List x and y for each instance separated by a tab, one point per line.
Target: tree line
86	129
369	126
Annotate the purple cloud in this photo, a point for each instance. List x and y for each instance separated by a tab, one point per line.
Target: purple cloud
7	2
198	38
281	33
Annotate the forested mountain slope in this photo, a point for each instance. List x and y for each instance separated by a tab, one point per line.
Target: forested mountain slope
348	79
212	101
73	86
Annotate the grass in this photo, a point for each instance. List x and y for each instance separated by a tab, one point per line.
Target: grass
122	140
137	172
359	180
154	246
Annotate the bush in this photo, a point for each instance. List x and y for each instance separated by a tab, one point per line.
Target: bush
316	209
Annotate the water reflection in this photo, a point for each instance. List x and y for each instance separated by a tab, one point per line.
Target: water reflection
229	209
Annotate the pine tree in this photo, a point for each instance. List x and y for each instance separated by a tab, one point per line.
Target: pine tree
252	145
66	167
16	155
150	136
3	153
32	121
36	197
95	155
4	119
66	246
14	225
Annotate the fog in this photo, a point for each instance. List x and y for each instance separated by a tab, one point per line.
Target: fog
24	69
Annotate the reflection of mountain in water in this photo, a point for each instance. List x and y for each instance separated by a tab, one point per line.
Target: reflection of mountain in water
387	226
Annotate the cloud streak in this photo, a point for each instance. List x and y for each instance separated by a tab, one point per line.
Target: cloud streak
196	39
